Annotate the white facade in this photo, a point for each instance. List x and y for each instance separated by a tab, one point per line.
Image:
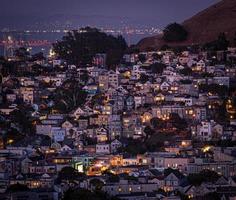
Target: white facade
103	149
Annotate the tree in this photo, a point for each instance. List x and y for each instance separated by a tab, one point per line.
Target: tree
82	194
134	147
156	56
156	141
195	179
79	47
212	196
148	131
143	78
220	90
234	40
187	71
209	176
158	68
133	49
69	173
142	58
84	77
97	183
113	178
207	75
70	96
21	116
38	56
98	99
175	33
186	81
221	112
164	47
115	50
157	123
22	53
203	176
17	188
221	44
177	121
162	191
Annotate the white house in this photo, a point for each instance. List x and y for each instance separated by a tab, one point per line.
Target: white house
165	86
78	112
103	148
137	71
115	144
205	130
58	134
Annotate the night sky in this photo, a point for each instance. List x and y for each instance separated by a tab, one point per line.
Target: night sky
142	12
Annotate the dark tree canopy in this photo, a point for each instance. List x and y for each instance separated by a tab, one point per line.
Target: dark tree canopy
187	71
175	33
148	130
157	123
143	78
69	173
165	47
142	58
70	96
215	89
97	183
220	44
134	147
21	53
157	68
17	188
38	56
234	40
21	116
79	47
177	121
82	194
203	176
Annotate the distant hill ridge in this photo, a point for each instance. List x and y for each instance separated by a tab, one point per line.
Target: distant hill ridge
203	27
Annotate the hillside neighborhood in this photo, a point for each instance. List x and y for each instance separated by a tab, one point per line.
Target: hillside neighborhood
161	125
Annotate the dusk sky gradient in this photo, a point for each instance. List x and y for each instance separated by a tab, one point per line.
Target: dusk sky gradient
159	12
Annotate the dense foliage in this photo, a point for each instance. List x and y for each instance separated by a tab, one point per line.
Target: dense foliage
69	173
214	89
218	45
82	194
17	188
79	47
175	33
203	176
158	68
69	97
187	71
